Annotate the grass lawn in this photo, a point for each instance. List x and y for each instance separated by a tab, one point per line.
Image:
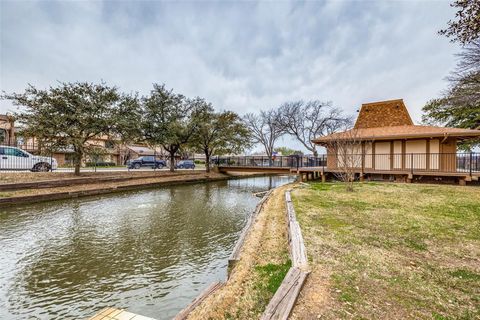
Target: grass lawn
390	251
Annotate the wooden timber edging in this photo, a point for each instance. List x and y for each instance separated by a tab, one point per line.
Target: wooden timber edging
44	184
284	299
295	238
208	291
235	255
282	302
9	201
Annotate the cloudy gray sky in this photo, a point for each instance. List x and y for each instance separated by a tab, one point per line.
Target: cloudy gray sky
242	56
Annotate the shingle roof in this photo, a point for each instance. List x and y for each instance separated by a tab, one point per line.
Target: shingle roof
387	113
399	132
390	120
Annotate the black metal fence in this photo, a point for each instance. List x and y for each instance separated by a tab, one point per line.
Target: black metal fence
34	157
274	162
409	162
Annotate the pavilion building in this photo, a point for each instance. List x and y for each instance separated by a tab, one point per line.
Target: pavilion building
385	141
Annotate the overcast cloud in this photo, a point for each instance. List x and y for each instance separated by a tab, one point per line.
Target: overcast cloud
241	56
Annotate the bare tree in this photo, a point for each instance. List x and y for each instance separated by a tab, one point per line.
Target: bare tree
309	120
348	154
265	129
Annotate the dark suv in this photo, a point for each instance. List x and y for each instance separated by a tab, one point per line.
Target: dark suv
185	164
146	161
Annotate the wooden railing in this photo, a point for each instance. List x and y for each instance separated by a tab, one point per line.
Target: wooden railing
409	162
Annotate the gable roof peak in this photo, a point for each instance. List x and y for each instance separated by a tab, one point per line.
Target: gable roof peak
386	113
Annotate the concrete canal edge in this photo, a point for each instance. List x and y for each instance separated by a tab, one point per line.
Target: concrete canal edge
16	200
281	304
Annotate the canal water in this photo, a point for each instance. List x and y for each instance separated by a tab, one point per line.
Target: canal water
149	251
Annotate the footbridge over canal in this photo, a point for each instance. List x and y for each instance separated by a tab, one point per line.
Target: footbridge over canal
315	166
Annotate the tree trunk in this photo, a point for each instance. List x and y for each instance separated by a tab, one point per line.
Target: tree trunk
78	162
269	155
172	161
77	169
207	161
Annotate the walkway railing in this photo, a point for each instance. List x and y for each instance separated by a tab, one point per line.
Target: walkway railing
397	162
275	162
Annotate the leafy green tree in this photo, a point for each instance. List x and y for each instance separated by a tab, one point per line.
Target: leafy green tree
220	133
169	120
95	154
288	152
71	114
449	111
459	106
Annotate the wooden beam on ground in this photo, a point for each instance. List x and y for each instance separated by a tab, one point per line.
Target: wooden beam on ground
297	245
282	302
188	309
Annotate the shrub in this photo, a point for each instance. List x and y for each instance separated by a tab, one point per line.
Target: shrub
100	164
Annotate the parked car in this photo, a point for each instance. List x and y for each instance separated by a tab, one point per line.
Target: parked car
146	161
12	158
185	164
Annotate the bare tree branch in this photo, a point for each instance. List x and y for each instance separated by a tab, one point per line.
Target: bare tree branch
265	129
346	154
309	120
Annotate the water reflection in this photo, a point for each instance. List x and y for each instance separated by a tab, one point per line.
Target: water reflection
150	251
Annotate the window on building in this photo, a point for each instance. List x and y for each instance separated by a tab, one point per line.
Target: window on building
109	144
3	135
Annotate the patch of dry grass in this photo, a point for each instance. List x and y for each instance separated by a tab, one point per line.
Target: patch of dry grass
390	251
263	261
